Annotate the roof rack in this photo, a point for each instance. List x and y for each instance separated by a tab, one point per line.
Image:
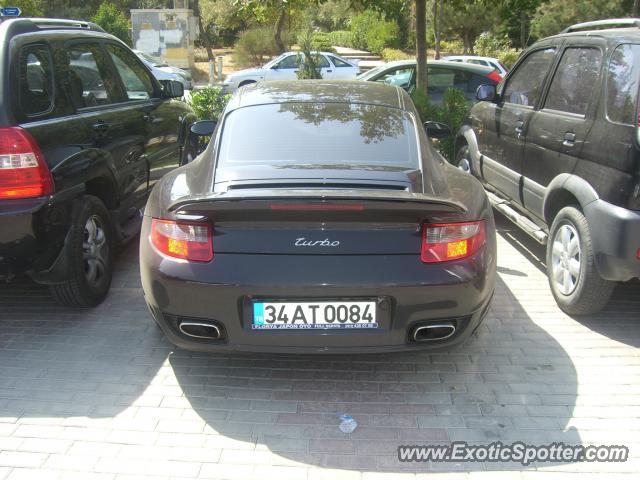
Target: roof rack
54	23
610	23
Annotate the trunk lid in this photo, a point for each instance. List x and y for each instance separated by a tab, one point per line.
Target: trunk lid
317	221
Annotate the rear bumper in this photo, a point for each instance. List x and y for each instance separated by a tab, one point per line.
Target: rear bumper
32	233
616	240
408	293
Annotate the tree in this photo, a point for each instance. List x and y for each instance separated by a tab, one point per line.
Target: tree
515	19
29	8
205	32
274	12
437	25
467	19
113	21
555	15
421	45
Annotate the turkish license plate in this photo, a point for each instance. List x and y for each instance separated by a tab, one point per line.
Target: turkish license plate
313	315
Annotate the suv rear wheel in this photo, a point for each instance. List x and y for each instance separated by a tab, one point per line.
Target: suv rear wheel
90	255
573	277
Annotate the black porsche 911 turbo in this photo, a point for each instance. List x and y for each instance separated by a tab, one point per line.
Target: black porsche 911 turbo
319	219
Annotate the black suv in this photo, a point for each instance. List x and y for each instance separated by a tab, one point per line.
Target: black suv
557	145
85	132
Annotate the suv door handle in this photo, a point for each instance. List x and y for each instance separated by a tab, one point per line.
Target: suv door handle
569	139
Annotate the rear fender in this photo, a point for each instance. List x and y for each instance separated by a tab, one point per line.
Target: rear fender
563	183
468	136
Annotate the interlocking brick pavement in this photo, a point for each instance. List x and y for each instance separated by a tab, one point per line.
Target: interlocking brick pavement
101	394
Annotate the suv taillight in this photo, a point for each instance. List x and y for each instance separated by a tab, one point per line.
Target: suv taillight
191	241
451	241
495	76
23	171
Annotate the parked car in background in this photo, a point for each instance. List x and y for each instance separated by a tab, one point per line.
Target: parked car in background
285	67
85	133
441	76
338	228
477	60
165	72
558	146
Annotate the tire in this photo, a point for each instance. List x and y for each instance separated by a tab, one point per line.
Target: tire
246	82
190	150
463	160
90	253
571	270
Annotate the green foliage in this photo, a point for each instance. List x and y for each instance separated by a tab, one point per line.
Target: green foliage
509	56
489	45
114	21
555	15
29	8
330	14
255	46
320	42
453	111
341	38
453	47
370	31
309	69
391	54
209	102
515	20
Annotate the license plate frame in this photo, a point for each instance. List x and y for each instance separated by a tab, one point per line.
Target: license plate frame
321	323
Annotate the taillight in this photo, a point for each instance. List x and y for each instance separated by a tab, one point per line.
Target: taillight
184	240
23	171
452	241
495	76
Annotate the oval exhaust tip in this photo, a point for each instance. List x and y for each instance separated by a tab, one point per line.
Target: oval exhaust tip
434	331
200	330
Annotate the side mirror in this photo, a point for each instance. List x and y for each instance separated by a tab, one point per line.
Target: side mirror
486	93
274	66
172	89
437	129
203	128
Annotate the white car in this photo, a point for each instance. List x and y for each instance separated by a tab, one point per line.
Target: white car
162	71
284	67
476	60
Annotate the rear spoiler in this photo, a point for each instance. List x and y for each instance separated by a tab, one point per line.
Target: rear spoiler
235	200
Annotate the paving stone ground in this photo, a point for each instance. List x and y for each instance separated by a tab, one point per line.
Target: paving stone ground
101	394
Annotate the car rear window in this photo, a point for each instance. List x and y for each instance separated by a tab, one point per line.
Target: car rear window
36	80
319	135
623	80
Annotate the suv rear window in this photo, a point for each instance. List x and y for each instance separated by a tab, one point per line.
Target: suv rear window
623	80
319	135
36	80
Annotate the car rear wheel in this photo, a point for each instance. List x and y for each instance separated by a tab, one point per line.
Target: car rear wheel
463	159
90	256
573	277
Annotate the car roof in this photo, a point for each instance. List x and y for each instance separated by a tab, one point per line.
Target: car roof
470	57
317	91
440	63
631	34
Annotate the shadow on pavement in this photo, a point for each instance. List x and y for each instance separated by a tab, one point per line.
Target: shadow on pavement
490	389
57	361
617	321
